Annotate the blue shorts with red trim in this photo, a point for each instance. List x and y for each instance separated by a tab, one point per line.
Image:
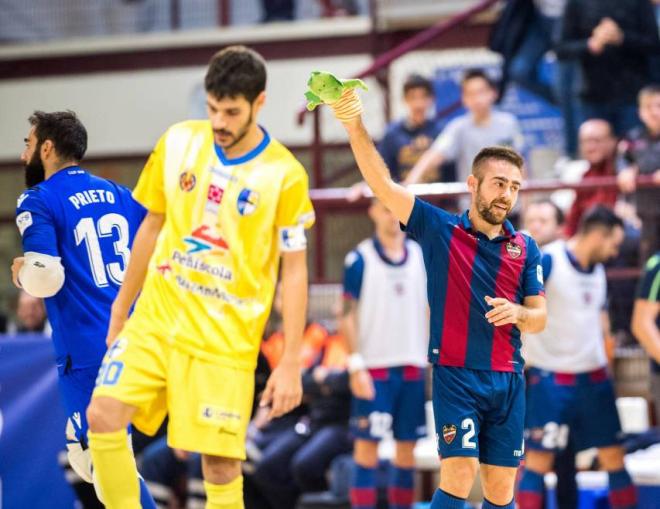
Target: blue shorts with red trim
479	414
582	404
397	408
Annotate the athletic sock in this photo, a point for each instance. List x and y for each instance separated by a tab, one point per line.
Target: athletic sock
489	505
443	500
225	496
114	469
531	490
623	494
363	488
400	491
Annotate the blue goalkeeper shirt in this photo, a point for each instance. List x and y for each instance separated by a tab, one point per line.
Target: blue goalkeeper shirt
90	223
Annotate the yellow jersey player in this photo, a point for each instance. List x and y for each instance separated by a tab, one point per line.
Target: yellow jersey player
224	201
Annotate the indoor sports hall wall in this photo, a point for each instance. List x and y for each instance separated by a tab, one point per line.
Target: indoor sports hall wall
125	112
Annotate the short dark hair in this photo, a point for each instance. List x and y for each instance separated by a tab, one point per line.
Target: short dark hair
599	216
418	81
559	213
64	129
472	74
235	71
652	89
498	154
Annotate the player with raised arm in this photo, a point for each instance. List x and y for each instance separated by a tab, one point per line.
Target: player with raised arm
485	287
77	231
225	202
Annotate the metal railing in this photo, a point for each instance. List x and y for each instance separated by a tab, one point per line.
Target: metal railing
332	201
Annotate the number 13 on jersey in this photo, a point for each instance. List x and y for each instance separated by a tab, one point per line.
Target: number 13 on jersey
89	232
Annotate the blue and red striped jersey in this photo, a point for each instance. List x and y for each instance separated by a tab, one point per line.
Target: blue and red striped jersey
463	267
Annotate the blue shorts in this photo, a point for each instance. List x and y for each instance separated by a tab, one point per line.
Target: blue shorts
479	414
398	406
76	387
583	405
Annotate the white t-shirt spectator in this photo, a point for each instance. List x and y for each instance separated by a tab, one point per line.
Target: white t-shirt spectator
462	139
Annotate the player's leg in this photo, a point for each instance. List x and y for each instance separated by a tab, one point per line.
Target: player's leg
363	493
223	482
546	432
401	485
622	492
129	387
531	490
501	440
457	475
77	386
457	415
209	409
600	427
371	421
115	471
498	483
409	424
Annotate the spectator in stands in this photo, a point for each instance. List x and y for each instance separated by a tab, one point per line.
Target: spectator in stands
465	135
30	315
523	34
536	42
406	140
646	322
570	390
613	41
640	152
598	148
296	459
544	220
290	455
385	317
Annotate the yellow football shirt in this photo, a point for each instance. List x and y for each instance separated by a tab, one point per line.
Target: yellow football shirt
211	279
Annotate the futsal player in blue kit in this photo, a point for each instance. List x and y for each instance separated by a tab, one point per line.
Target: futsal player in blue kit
485	287
77	231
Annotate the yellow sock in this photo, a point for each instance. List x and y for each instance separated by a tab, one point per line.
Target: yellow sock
115	470
225	496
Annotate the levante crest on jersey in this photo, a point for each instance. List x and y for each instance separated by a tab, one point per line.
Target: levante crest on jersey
514	250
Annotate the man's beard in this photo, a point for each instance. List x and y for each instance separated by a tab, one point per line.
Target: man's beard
489	213
34	170
242	132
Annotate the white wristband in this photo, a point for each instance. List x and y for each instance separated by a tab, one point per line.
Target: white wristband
356	363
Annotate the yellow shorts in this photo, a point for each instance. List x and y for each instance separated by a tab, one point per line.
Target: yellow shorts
209	405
